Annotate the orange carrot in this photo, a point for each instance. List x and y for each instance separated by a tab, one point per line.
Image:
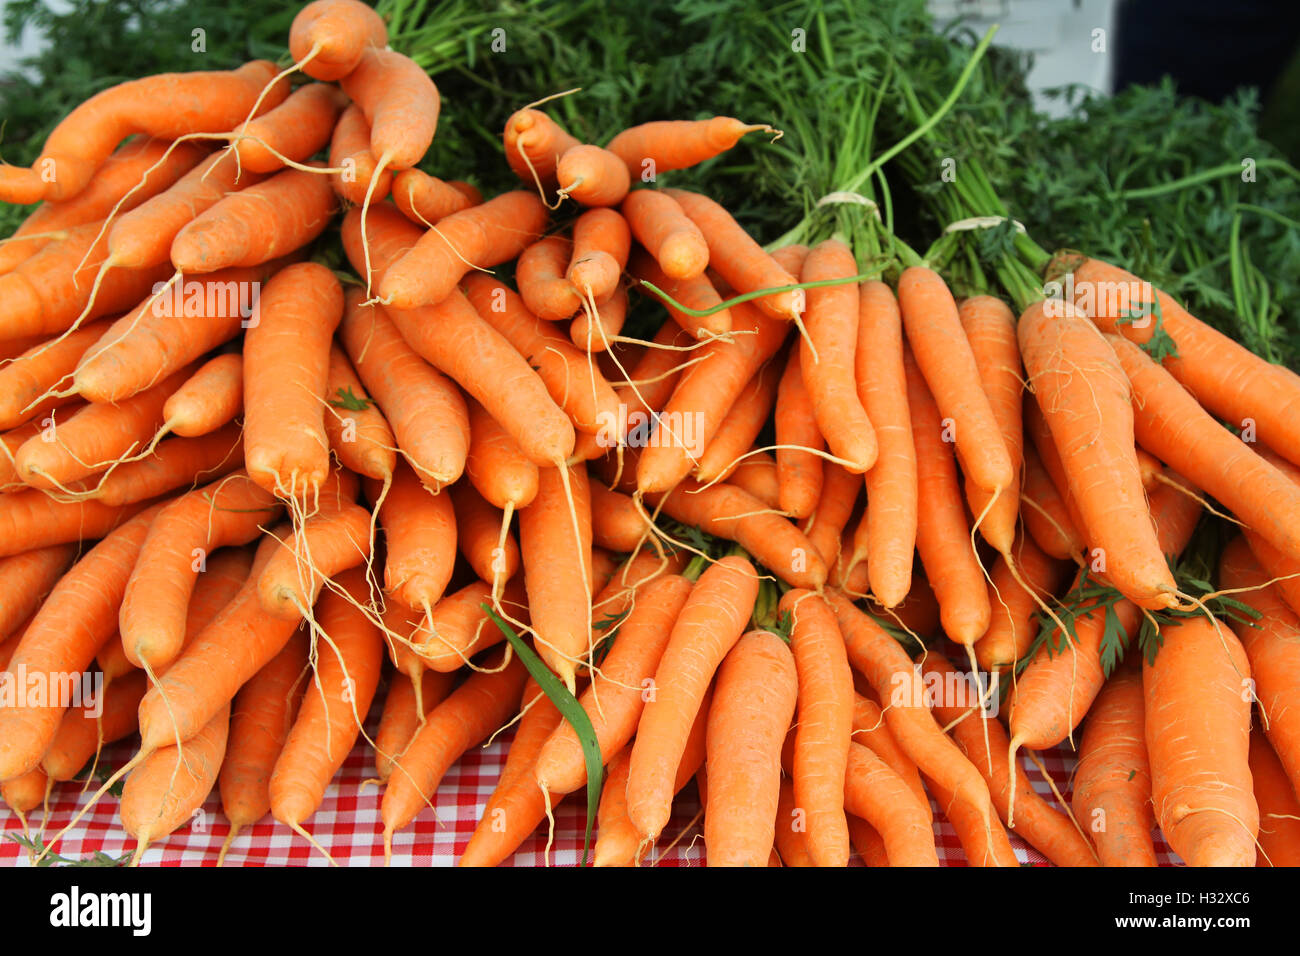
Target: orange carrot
1011	628
427	200
1044	512
740	427
652	148
401	718
697	292
329	542
328	37
534	144
1279	810
30	520
350	152
1198	738
602	240
400	103
26	579
420	530
708	626
799	472
541	280
358	432
877	794
174	464
592	176
81	733
494	558
825	525
752	708
296	129
208	399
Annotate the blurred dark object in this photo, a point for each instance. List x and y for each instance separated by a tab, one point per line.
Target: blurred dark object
1211	48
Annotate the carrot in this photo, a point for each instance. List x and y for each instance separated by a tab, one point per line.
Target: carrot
697	293
1150	467
602	240
616	522
571	381
29	383
945	357
400	103
617	696
516	806
887	534
596	329
555	542
542	284
333	705
427	200
869	729
592	176
736	256
882	660
296	129
208	399
710	623
152	616
702	397
401	717
983	845
137	171
1056	689
327	543
672	238
50	291
1222	375
1279	810
459	628
425	410
534	144
358	433
791	839
328	37
493	556
482	236
26	579
156	338
984	741
825	726
1171	425
25	793
144	236
350	152
63	638
867	842
1272	648
30	520
254	225
943	536
1278	565
475	709
1112	784
825	526
164	106
799	472
262	714
285	371
496	467
757	476
174	464
165	789
752	707
740	427
1012	627
657	147
1085	399
95	437
1046	517
827	360
727	512
80	735
1198	738
990	328
420	530
880	796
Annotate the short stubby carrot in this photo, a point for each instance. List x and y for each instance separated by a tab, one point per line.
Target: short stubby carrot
602	241
753	704
1198	740
208	399
592	176
534	144
539	273
425	199
327	37
708	626
420	533
673	240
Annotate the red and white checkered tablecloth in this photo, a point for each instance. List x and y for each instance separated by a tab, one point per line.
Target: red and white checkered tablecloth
347	824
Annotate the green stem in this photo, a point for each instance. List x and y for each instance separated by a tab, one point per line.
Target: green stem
756	294
1205	176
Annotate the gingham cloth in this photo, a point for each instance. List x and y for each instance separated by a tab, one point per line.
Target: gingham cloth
348	826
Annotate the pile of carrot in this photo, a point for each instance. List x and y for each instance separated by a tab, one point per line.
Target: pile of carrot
746	551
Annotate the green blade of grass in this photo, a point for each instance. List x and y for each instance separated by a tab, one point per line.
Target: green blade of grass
571	710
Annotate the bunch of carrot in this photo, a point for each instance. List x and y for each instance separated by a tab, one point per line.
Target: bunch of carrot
708	538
